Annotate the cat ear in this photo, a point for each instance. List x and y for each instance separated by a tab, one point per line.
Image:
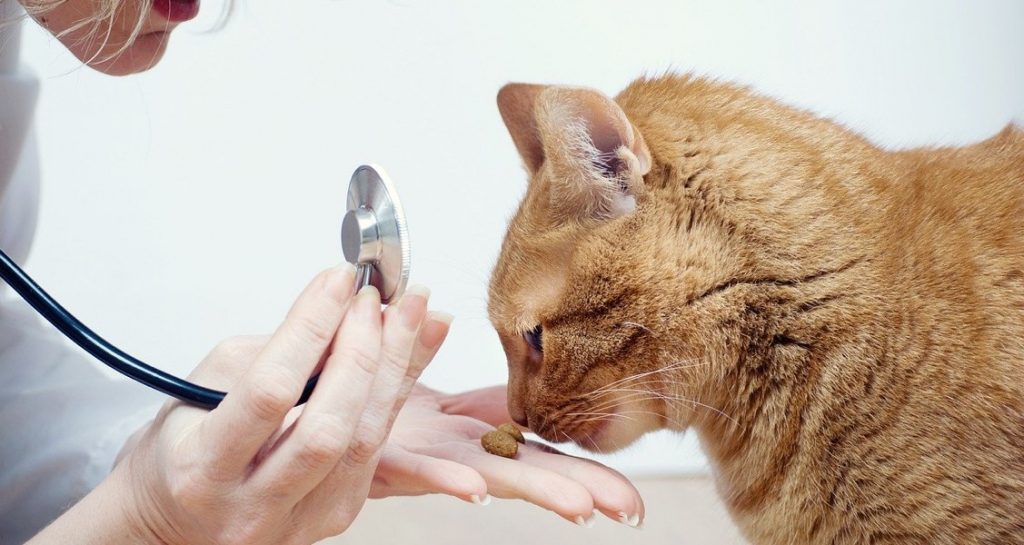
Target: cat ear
517	103
594	156
597	157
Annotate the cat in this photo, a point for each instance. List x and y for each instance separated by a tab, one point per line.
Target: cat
842	325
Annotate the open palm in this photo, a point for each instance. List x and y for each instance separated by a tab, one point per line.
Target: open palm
434	447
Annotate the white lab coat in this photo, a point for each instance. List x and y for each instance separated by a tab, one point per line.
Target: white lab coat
62	420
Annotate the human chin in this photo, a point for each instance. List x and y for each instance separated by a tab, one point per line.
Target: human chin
144	52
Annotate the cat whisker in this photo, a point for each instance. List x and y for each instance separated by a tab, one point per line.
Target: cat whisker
668	419
635	385
635	388
638	326
590	416
626	394
644	395
668	368
631	396
659	416
681	364
633	392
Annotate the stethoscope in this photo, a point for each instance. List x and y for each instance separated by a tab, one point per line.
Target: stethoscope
374	238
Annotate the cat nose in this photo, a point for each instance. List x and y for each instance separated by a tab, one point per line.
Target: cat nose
517	412
516	402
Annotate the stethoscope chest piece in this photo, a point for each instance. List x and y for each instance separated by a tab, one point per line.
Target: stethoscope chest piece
374	236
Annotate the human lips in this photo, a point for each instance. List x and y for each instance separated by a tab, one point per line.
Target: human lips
177	11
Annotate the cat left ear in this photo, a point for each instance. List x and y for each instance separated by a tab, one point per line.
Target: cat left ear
517	103
597	158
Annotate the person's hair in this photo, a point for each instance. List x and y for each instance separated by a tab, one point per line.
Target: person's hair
99	24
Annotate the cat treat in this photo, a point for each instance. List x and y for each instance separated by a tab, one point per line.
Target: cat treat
499	443
512	430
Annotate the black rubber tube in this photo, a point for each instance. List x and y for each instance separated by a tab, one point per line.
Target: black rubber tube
110	355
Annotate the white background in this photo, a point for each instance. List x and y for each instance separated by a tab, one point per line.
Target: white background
193	202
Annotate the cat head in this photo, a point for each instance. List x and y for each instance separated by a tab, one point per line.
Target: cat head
572	297
640	265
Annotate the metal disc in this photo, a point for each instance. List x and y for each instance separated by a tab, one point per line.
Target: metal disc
374	236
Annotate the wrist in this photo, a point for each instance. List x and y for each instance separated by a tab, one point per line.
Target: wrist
128	499
108	515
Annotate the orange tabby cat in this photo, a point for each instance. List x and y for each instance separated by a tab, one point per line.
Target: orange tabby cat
842	325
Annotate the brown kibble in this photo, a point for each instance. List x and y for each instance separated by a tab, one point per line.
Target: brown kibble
500	443
512	430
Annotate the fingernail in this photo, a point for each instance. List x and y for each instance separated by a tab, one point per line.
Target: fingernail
443	317
413	305
476	499
586	522
340	280
419	290
369	297
435	329
633	521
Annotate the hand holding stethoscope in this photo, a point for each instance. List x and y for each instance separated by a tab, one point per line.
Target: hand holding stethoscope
256	469
297	474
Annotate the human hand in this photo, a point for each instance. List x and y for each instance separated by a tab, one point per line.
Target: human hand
434	447
258	470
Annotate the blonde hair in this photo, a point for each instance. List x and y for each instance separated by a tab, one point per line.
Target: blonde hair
101	22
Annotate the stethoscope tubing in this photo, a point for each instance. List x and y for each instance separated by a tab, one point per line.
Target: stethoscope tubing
107	353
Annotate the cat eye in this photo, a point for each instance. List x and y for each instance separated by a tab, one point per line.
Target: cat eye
533	338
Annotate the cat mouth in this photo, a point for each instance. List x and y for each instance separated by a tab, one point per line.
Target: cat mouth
603	427
586	432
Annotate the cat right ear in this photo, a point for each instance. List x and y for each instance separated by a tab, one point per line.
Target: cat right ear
517	103
593	157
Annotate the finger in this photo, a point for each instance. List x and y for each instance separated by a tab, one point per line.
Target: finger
487	404
326	428
253	411
237	355
221	369
513	479
228	361
614	495
431	335
405	473
401	328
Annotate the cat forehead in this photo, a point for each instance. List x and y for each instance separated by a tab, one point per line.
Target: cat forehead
529	276
521	309
531	282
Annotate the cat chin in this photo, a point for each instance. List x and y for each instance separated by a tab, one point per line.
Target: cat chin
612	438
618	433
